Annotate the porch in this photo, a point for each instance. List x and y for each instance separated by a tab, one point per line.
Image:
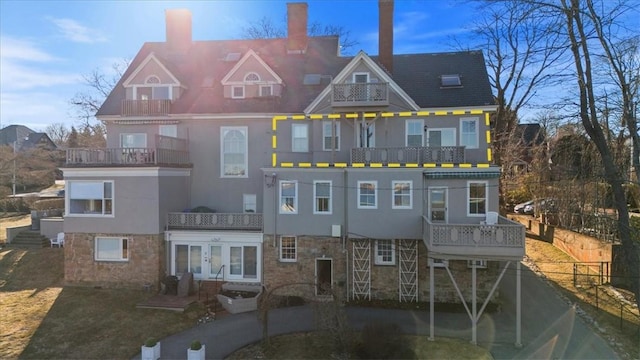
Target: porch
409	155
360	94
214	221
505	239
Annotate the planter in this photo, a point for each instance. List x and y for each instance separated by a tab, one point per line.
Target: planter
150	353
238	298
195	354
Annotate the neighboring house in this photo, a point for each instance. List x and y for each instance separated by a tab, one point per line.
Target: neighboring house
25	138
528	139
367	177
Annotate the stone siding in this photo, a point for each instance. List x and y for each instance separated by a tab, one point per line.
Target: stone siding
146	264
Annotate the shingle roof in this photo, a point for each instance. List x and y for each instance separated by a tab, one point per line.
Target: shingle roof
417	74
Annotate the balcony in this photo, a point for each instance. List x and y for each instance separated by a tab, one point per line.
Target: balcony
214	221
504	239
145	107
409	155
360	94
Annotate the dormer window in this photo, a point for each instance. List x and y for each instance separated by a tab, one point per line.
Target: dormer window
266	90
451	80
252	77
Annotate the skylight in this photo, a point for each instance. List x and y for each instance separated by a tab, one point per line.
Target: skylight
311	79
232	56
450	80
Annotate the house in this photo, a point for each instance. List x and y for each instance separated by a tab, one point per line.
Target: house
24	138
280	162
528	139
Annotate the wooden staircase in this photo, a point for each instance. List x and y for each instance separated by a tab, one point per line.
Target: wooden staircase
30	239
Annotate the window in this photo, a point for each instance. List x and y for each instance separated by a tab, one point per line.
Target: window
367	194
452	80
288	197
360	78
237	92
90	198
168	130
414	133
243	262
438	263
266	90
441	137
469	133
288	246
234	151
152	79
327	135
133	140
402	198
249	203
478	264
111	249
299	137
251	77
385	252
477	196
366	135
322	197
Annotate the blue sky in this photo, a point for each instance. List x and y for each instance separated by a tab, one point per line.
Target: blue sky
47	46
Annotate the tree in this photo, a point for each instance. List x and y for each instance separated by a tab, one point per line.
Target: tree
58	133
265	28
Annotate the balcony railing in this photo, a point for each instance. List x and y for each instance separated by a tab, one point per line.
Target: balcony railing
360	94
409	155
504	239
215	221
145	107
127	157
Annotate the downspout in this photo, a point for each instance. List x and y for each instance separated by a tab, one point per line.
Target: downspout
345	191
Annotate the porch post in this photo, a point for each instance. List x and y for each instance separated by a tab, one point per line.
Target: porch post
431	300
474	307
518	306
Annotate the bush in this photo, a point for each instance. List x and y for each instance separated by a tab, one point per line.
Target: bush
150	342
48	204
382	341
196	345
202	209
14	205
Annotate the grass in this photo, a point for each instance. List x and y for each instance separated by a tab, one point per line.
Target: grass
7	221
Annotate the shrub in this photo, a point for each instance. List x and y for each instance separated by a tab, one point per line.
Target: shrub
14	205
382	341
202	209
150	342
48	204
196	345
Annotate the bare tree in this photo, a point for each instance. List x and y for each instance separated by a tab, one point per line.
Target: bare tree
58	133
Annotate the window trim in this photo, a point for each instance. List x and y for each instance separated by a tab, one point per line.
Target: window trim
245	131
393	194
438	263
293	137
281	258
122	242
233	92
353	77
295	197
406	131
315	197
477	263
249	74
486	198
378	260
429	130
270	87
324	135
477	132
249	199
143	135
68	194
375	194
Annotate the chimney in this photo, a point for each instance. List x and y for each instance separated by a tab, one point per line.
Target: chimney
296	28
385	34
178	29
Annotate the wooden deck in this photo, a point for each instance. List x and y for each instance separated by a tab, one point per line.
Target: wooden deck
206	296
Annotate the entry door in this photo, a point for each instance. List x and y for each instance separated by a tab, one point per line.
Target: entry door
188	258
324	276
438	204
215	262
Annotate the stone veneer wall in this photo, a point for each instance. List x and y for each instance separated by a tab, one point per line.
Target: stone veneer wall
146	263
384	278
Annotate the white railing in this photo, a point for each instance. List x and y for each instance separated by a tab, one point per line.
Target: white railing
126	156
409	155
360	94
215	221
145	107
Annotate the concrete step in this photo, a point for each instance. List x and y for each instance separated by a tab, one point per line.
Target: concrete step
30	239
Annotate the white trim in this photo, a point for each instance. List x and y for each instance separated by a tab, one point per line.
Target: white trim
252	81
477	263
245	131
315	210
122	172
293	138
486	198
337	134
378	260
102	214
233	91
270	87
393	194
120	248
295	249
455	139
446	201
406	131
354	74
375	194
151	56
438	263
477	133
250	53
295	197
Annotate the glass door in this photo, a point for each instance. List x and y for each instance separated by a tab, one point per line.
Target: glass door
438	204
215	262
243	262
188	258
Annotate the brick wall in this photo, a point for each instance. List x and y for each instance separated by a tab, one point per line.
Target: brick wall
146	264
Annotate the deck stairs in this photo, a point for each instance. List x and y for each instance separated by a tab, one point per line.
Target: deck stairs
30	239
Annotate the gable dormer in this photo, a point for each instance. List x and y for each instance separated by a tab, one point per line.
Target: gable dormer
250	78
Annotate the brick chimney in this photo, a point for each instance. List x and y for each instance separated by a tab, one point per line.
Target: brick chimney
385	34
297	28
178	22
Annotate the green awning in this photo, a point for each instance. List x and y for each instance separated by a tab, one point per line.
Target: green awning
461	174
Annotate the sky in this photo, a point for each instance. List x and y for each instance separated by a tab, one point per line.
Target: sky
46	47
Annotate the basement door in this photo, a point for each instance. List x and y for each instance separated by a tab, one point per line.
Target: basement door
324	276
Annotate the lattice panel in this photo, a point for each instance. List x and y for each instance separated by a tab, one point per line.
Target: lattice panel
361	269
408	251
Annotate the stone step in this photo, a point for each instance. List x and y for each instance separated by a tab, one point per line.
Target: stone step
30	239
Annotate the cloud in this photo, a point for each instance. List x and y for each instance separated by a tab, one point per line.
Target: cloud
16	49
76	32
35	110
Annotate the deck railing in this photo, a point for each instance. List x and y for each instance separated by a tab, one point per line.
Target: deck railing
506	238
145	107
126	156
215	221
409	155
360	94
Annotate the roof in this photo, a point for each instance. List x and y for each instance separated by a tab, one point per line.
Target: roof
201	69
531	134
24	137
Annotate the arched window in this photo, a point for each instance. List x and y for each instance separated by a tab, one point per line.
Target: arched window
152	79
234	151
251	77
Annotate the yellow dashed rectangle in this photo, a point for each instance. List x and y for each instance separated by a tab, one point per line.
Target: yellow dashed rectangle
315	116
322	165
274	125
458	112
412	165
370	115
429	165
333	116
465	165
476	112
340	165
304	165
387	114
274	161
489	155
482	165
441	113
488	137
393	165
375	165
351	116
422	113
288	164
357	165
274	141
486	119
298	117
279	117
405	113
446	165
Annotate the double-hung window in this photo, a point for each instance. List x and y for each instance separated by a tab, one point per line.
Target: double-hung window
92	198
133	140
330	135
477	198
385	252
402	198
299	137
234	151
414	132
367	194
288	246
111	249
322	197
469	133
288	197
237	92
